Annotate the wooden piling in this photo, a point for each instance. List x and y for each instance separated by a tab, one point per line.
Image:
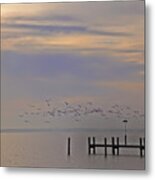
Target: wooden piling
94	147
68	146
144	145
140	147
105	147
117	145
89	143
113	146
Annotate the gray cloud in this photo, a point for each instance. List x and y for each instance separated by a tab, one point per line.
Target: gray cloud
63	29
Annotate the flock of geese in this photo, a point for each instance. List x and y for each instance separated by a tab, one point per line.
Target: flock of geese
48	112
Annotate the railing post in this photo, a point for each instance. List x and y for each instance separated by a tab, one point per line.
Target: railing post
125	139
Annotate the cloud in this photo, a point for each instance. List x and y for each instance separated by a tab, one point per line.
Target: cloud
56	28
122	85
60	27
48	28
74	39
22	10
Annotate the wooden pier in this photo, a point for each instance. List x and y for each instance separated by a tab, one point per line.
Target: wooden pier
115	146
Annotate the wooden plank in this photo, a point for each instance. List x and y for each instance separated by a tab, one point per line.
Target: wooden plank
120	146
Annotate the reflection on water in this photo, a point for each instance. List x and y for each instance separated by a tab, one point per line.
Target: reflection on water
48	149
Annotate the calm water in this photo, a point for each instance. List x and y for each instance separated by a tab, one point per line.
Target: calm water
48	149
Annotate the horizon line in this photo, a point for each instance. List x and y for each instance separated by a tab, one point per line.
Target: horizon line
23	130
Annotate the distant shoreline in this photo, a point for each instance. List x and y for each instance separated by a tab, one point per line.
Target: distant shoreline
67	130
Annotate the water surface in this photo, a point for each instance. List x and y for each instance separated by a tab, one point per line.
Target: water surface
49	149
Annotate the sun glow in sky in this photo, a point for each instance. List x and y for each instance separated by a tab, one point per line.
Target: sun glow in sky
73	52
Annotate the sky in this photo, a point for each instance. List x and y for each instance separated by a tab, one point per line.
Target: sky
72	65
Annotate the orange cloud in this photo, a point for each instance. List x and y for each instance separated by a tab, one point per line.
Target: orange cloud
122	85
